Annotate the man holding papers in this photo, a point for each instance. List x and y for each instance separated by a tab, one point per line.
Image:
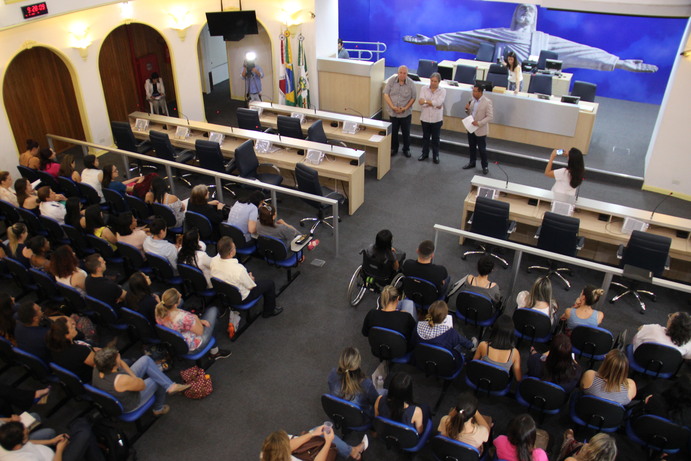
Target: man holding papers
480	113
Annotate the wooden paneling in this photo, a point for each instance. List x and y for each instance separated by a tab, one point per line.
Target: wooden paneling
122	87
39	98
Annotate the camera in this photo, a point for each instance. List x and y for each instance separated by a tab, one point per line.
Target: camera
249	65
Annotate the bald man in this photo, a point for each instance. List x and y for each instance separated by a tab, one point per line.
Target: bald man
400	94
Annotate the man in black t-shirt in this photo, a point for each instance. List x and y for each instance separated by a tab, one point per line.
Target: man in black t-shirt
29	333
423	268
100	287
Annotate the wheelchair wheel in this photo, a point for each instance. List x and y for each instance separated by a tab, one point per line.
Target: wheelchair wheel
356	287
398	281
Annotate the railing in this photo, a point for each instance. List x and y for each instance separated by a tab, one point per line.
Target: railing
126	155
519	249
364	54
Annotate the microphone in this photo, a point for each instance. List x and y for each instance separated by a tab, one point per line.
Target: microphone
188	120
661	202
362	117
315	108
269	100
505	174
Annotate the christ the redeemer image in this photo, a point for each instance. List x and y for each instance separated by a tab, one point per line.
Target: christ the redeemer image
525	40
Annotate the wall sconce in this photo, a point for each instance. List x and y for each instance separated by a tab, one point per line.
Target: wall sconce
685	53
80	39
294	19
180	22
126	12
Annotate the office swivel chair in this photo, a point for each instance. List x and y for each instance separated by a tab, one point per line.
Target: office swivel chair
465	74
247	164
491	219
426	67
485	52
165	150
211	158
125	140
643	252
290	127
558	234
540	83
498	75
248	119
316	133
544	56
584	90
308	181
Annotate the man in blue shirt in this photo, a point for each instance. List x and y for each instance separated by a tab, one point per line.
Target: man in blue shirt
252	74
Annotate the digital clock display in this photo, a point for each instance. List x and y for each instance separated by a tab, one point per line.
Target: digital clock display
37	9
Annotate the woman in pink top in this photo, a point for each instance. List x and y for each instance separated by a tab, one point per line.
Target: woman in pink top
48	163
519	443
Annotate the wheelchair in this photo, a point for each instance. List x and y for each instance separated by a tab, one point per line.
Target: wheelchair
372	275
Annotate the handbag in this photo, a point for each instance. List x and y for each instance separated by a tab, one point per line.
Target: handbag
200	382
309	450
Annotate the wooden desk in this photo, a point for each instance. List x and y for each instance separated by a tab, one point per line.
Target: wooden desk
602	237
374	136
341	164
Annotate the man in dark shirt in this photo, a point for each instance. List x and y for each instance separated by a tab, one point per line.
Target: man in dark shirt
30	335
100	287
423	268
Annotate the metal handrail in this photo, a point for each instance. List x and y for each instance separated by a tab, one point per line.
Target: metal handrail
169	165
520	248
379	48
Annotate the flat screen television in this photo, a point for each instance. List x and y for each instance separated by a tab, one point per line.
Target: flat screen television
232	25
553	64
486	84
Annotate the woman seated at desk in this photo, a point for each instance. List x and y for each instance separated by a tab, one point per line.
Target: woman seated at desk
566	180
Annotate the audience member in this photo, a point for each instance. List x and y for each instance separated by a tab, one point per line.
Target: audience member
600	447
67	168
539	298
269	226
676	334
133	386
611	380
64	266
199	203
75	356
398	405
481	283
388	316
582	312
157	244
196	332
30	330
74	212
29	157
500	350
38	248
136	186
193	253
350	383
244	212
423	268
96	225
383	253
667	399
17	234
465	423
98	285
225	267
49	205
139	297
557	365
278	445
127	231
519	442
47	162
437	329
26	195
159	194
92	174
14	400
7	317
7	192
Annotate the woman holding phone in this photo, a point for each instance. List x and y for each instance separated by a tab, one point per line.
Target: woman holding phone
566	180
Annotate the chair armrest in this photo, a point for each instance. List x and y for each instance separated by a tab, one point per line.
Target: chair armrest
185	156
667	263
230	166
620	251
537	233
270	131
512	227
336	196
336	143
470	219
580	244
270	165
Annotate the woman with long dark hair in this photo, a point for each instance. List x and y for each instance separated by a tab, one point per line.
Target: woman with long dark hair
127	231
74	212
519	442
500	350
348	382
383	251
92	174
566	179
465	423
75	356
139	297
556	365
67	168
26	195
48	163
193	253
128	186
7	320
515	73
159	194
398	403
270	226
64	266
95	224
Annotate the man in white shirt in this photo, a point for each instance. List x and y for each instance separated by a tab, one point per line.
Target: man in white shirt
225	267
49	205
157	244
677	334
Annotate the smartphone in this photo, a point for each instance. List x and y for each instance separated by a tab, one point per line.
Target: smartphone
560	151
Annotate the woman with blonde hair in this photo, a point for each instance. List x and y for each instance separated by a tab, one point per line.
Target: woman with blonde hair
350	383
611	380
439	331
278	445
389	316
582	312
17	234
601	447
465	423
539	298
196	332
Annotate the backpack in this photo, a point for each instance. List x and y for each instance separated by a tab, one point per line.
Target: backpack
112	441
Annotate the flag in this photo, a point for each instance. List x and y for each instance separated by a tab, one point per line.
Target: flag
286	82
303	90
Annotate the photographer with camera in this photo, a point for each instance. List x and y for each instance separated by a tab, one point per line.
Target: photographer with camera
253	75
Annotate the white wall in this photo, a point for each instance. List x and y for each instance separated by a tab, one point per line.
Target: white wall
668	160
213	58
